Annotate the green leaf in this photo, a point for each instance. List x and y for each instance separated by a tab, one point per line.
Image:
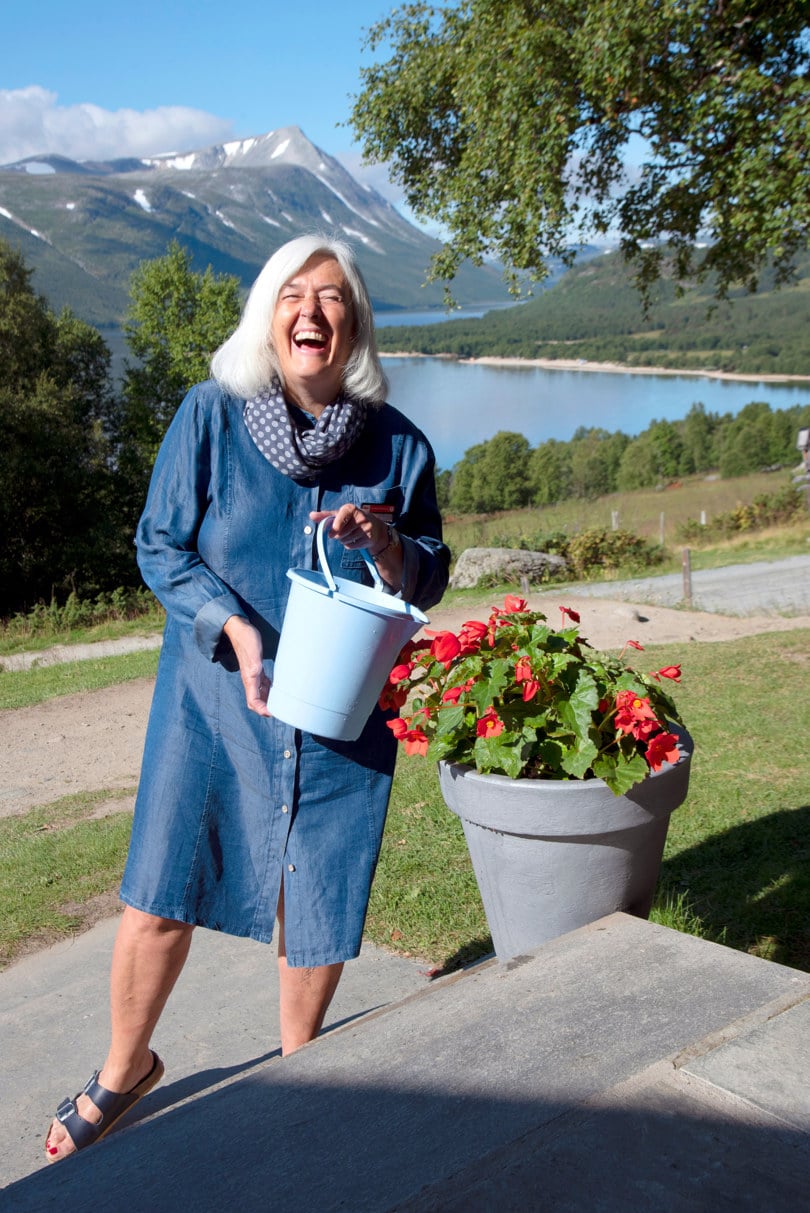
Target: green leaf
577	762
621	773
577	709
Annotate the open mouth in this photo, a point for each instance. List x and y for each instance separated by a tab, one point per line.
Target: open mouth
310	339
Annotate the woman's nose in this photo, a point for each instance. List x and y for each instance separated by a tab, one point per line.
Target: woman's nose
311	305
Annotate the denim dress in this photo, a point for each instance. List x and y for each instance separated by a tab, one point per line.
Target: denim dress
231	803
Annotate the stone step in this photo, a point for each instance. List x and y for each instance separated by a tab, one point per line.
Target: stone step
621	1067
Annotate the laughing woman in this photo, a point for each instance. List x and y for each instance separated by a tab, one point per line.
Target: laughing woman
242	820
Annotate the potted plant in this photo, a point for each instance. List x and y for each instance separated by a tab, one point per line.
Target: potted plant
563	763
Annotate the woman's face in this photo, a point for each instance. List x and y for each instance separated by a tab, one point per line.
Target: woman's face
313	331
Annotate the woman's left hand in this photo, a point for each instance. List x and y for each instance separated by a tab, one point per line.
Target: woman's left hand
355	529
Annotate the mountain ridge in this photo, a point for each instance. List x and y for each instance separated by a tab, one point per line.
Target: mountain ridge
84	226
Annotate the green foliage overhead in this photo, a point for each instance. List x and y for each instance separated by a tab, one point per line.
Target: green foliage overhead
508	121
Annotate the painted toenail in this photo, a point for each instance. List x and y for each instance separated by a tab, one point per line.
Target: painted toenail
53	1150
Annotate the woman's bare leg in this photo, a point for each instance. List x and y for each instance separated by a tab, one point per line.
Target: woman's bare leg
148	957
304	994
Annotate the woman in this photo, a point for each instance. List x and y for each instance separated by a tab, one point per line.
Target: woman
240	819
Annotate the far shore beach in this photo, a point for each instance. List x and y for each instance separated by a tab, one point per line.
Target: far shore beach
610	368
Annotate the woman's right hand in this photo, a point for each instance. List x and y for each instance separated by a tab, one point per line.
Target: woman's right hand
247	646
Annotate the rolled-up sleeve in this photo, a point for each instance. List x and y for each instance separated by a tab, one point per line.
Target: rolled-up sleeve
426	560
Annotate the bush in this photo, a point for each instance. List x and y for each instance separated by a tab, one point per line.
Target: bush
53	619
782	507
598	550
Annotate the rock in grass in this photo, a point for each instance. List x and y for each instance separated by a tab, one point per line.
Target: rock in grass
504	564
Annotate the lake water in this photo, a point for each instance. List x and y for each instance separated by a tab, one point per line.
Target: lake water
459	404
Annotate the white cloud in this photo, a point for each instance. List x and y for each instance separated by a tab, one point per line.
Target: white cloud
33	123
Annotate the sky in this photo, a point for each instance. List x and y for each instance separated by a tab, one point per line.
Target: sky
95	80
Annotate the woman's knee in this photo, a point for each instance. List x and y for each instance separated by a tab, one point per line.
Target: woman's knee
152	926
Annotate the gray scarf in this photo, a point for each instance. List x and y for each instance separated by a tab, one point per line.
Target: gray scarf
296	448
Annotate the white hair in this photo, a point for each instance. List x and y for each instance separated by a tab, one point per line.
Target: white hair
247	363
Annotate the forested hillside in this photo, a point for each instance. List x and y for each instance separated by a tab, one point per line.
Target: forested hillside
594	313
506	473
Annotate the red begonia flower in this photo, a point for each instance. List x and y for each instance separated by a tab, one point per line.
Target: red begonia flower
530	689
490	724
572	615
416	742
523	669
392	700
445	647
452	694
669	671
401	672
662	748
471	634
634	715
513	605
398	727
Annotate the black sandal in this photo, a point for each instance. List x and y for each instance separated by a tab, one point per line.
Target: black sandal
111	1104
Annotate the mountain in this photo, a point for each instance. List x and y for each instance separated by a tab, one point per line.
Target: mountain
84	227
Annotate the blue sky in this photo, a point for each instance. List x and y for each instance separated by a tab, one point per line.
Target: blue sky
94	78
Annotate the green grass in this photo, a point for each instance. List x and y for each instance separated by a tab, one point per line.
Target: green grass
737	862
53	861
23	688
736	867
640	512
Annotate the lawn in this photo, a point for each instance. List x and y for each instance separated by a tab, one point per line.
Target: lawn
736	867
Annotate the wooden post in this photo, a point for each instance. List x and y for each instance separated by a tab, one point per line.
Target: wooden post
661	529
614	519
686	566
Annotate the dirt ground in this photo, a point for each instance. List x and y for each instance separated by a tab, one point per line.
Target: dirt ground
93	740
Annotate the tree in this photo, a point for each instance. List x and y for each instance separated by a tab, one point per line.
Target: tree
697	433
508	122
26	322
550	472
177	318
493	475
58	523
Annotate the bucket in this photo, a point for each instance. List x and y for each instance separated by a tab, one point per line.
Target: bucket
339	641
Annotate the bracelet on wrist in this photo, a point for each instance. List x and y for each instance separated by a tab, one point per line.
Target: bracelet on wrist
394	542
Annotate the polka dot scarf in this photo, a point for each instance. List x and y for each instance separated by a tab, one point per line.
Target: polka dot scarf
294	447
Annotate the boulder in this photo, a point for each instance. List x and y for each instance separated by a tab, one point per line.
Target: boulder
504	564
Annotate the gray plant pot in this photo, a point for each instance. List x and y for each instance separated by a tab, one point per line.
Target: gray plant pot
552	855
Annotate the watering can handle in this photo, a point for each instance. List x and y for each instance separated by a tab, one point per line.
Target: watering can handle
379	584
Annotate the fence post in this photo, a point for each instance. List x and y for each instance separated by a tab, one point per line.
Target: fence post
661	528
686	565
614	519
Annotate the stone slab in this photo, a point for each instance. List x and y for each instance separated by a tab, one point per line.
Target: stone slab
221	1022
432	1095
768	1066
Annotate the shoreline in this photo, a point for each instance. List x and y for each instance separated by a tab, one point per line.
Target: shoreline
605	368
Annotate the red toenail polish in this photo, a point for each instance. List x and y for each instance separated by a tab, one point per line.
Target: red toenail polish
52	1150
